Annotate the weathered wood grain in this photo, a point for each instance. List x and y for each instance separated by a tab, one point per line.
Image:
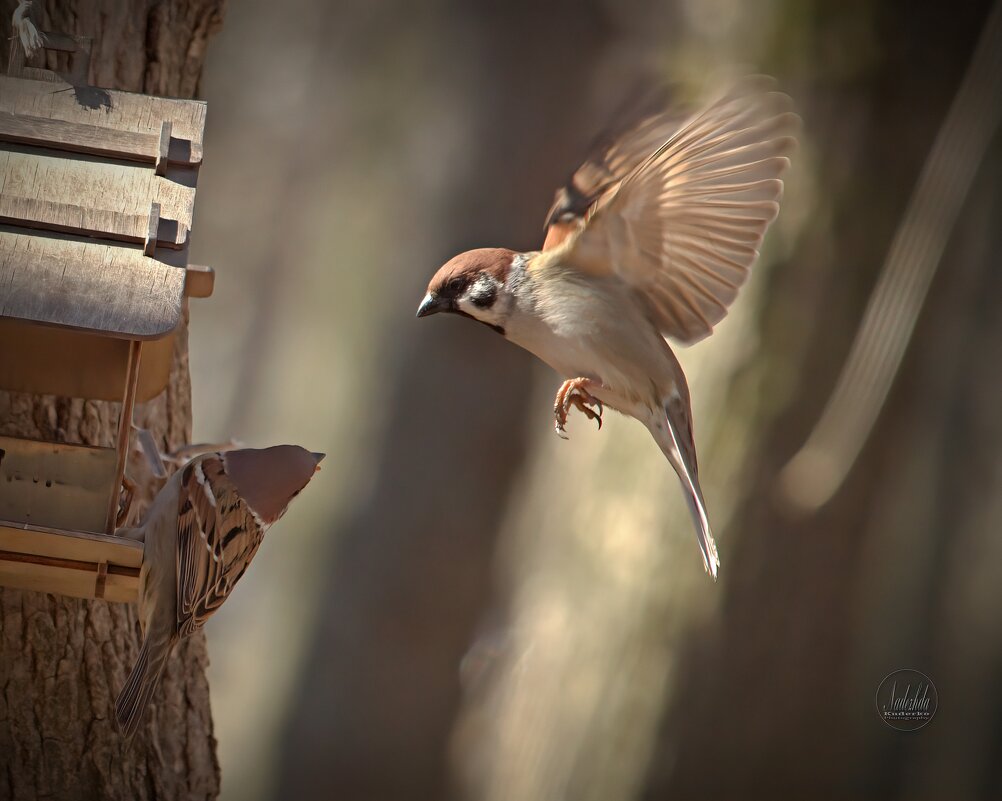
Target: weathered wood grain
124	430
163	148
76	545
152	226
56	485
93	139
77	580
85	193
108	109
73	219
88	286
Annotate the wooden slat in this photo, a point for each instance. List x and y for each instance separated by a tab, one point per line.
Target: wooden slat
111	110
102	569
74	545
55	485
124	430
56	361
69	562
89	286
104	189
78	137
73	219
62	581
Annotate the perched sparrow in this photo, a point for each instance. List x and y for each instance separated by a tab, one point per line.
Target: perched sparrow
661	255
201	533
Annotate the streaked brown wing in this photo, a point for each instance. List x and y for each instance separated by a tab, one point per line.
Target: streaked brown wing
686	225
640	127
218	536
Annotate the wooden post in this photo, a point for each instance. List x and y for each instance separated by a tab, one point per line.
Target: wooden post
124	429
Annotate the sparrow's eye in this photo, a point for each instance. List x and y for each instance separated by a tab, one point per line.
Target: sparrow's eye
455	286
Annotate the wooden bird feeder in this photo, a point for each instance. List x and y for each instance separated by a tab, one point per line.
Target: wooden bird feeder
97	192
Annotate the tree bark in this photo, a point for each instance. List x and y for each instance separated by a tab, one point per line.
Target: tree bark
63	660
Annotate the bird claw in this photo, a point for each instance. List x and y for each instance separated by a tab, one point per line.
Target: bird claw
575	393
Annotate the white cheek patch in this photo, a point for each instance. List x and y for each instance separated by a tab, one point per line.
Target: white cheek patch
486	290
468	306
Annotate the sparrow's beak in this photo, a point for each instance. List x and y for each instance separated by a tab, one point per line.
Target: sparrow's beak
319	457
432	305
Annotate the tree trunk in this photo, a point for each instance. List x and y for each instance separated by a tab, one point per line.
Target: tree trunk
63	660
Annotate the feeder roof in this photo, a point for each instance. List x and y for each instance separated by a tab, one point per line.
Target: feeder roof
97	191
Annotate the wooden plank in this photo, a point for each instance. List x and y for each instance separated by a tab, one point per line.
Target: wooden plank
72	219
74	545
56	361
56	485
101	569
89	286
76	137
63	581
108	193
108	109
69	562
124	430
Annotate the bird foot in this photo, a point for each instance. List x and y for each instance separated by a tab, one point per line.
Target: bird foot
575	393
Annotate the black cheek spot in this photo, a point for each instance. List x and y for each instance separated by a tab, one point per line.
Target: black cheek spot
486	299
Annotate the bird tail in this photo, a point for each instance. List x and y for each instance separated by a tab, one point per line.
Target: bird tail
673	433
140	686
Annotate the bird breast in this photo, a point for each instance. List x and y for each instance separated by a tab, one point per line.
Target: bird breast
592	327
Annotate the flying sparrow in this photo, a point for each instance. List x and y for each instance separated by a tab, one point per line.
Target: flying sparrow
201	533
660	252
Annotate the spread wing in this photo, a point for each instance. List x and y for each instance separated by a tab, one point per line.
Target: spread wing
685	226
641	128
218	536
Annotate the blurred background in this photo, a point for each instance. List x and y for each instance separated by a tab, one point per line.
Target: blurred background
463	605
